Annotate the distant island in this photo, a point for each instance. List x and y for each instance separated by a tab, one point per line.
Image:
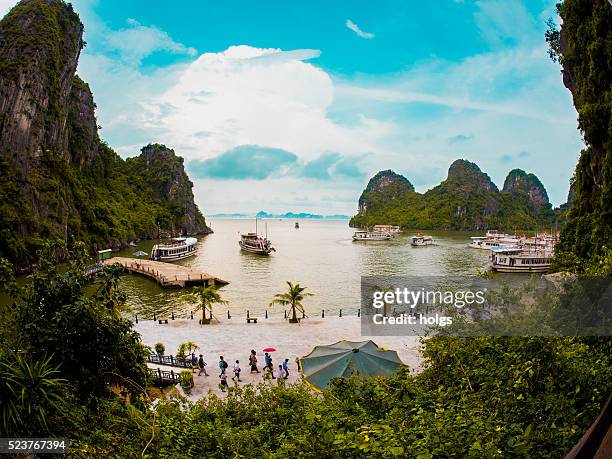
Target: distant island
292	215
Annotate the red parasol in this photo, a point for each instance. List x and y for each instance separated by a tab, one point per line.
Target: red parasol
269	349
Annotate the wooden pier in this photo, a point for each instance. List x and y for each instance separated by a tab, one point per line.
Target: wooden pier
166	274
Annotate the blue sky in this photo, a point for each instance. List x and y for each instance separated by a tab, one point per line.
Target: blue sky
292	106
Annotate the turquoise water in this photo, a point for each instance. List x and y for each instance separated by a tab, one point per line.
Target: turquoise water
319	255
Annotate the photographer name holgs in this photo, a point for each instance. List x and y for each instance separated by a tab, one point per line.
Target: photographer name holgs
412	298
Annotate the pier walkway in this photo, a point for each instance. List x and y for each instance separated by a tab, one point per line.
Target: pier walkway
166	274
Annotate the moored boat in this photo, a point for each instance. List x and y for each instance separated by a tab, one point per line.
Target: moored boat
519	260
371	236
253	243
420	240
179	248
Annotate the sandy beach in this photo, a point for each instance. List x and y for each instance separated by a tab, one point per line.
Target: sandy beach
234	339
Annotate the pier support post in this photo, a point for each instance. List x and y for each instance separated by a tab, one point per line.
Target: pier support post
161	382
322	313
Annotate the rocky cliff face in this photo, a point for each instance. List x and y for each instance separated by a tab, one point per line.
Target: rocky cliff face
518	181
58	179
584	52
166	176
465	177
386	183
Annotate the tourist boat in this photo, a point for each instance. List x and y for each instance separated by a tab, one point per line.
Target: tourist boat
392	230
297	225
421	240
518	260
253	243
488	243
371	236
179	248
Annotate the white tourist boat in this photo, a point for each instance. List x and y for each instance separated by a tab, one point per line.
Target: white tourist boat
392	230
179	248
487	243
420	240
371	236
253	243
519	260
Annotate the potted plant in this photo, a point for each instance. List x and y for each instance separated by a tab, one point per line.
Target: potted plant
186	380
160	349
185	349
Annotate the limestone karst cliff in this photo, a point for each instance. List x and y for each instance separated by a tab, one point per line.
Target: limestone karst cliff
59	180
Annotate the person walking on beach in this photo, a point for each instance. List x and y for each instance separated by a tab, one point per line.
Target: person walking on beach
286	368
222	366
202	366
236	371
280	376
253	361
223	383
269	366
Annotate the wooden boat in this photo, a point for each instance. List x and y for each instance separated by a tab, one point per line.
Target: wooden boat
253	243
179	248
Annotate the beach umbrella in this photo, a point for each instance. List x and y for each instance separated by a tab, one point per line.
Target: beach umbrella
344	358
269	349
140	253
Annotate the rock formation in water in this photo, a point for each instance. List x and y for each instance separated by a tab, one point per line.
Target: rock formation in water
518	181
58	179
466	200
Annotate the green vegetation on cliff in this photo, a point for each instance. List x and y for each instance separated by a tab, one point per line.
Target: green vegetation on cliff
466	200
584	50
59	180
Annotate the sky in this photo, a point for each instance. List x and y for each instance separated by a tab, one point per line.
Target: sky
293	106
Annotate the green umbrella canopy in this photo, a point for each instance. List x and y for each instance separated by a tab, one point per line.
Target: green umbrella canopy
344	358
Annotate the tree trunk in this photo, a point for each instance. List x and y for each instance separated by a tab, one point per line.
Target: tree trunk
294	319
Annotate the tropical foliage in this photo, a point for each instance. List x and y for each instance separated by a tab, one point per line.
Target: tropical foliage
583	48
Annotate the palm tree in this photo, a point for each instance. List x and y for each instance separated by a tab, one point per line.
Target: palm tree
207	296
293	297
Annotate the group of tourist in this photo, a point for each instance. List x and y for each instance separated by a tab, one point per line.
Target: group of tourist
280	374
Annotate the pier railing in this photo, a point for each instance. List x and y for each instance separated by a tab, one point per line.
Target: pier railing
162	377
169	360
93	269
164	316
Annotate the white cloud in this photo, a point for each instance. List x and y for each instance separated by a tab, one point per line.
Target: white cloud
138	41
5	6
355	28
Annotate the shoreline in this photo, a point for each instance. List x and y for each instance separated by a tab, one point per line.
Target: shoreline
234	339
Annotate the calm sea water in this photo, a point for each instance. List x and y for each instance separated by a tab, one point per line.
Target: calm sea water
320	255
